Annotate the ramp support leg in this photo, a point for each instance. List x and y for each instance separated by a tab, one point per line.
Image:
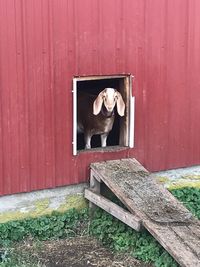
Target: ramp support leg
97	200
95	186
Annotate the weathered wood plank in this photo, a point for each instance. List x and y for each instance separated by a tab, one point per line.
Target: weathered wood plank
189	237
118	212
195	228
100	168
127	202
134	186
178	249
95	185
95	174
161	213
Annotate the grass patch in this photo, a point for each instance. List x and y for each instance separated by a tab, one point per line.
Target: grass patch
103	226
10	258
190	197
120	237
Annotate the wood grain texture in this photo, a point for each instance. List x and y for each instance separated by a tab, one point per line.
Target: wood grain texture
161	214
118	212
134	183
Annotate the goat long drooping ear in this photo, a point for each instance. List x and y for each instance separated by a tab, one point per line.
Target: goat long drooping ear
120	105
97	105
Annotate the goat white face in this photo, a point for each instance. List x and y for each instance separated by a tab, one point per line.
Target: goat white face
109	97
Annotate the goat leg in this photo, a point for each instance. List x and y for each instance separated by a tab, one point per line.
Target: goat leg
104	139
87	138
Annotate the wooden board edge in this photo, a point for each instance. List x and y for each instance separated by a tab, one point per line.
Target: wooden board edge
113	209
173	244
95	174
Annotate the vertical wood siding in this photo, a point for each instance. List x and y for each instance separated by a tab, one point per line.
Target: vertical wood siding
44	43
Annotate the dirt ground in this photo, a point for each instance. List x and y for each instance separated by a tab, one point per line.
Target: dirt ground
77	252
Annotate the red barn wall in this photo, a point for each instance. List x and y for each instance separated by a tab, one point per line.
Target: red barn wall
44	43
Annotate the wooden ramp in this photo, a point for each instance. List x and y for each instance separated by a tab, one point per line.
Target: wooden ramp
150	206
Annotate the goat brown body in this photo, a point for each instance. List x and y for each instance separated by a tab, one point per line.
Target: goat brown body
90	124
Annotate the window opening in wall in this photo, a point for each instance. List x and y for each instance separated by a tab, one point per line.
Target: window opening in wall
85	91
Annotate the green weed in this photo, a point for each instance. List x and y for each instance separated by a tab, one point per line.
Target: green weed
47	227
190	197
141	245
103	226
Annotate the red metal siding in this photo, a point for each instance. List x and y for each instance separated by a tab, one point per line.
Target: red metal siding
44	43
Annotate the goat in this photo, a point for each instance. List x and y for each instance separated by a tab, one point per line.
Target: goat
96	114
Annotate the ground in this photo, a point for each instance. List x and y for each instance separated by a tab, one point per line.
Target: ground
74	252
